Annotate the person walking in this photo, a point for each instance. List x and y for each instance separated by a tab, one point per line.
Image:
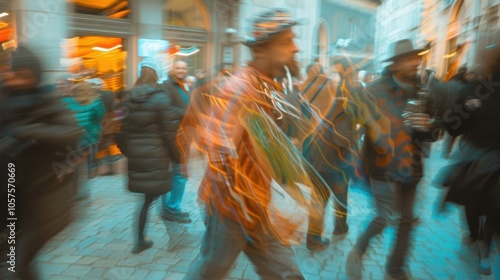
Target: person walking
393	156
147	139
250	157
39	139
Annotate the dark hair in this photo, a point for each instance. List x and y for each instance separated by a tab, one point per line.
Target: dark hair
148	77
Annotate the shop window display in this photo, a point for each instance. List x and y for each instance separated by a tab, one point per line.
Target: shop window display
7	42
108	8
100	57
185	13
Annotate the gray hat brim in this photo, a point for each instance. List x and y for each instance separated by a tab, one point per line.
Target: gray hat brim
399	56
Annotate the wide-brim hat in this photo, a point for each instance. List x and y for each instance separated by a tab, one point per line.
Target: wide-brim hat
268	24
401	49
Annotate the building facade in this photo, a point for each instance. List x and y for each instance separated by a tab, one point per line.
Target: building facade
66	32
454	30
113	36
346	28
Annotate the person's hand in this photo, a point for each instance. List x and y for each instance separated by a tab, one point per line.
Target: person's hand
473	104
295	142
418	120
184	169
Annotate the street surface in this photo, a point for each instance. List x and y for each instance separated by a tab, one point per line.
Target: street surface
97	244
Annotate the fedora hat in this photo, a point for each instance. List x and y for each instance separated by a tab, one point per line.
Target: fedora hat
402	48
268	24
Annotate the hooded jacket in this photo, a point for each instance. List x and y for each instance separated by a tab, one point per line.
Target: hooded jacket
38	137
147	139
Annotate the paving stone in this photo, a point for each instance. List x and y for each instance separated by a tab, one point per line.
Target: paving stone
250	273
153	275
95	273
58	277
66	259
104	244
50	269
236	273
169	261
77	270
105	263
139	274
154	266
87	260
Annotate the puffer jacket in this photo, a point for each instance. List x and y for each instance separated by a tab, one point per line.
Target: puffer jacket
147	138
89	117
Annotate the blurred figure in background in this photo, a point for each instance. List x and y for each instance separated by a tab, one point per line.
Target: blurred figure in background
392	151
63	85
178	90
473	175
89	111
37	133
191	82
147	139
365	77
332	151
107	151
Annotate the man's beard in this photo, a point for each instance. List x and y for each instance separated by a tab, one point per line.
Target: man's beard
407	76
294	68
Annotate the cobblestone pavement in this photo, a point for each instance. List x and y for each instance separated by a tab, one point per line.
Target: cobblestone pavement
97	244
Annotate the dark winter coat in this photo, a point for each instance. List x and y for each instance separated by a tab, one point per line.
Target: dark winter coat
473	174
39	136
147	138
396	154
177	93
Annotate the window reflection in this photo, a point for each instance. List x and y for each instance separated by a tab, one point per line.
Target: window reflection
184	13
107	8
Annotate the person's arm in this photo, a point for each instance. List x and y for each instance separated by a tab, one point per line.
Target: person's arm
168	122
58	129
175	99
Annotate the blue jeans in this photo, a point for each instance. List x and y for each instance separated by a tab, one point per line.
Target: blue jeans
391	198
171	201
223	241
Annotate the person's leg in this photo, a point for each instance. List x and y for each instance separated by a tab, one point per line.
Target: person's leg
472	216
177	193
222	242
339	188
273	260
406	202
385	194
314	240
484	243
83	188
142	244
171	201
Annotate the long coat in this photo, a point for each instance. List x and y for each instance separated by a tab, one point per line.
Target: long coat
39	136
148	139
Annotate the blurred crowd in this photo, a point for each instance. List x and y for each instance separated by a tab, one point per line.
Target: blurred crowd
266	130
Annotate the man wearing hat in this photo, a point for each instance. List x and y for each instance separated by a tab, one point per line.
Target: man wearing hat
393	155
249	158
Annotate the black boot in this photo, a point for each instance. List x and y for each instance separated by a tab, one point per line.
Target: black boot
316	243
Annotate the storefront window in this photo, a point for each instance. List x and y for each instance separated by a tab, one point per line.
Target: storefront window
185	13
99	57
7	42
107	8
